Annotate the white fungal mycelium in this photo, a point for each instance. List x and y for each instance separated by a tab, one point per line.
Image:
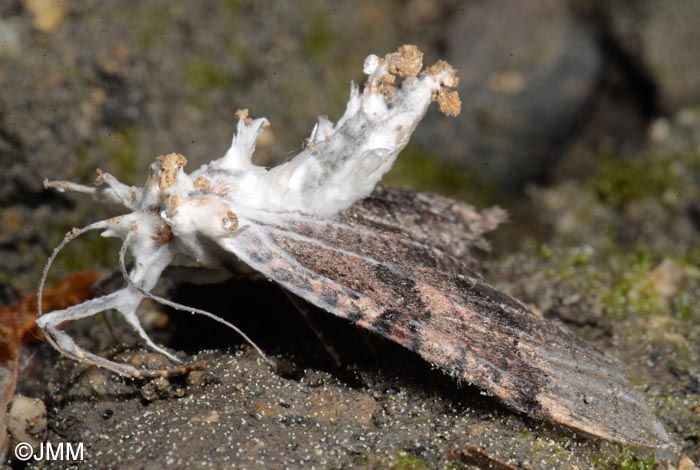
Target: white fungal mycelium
176	213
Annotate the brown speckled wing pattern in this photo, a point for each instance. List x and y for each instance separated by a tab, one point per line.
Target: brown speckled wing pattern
398	263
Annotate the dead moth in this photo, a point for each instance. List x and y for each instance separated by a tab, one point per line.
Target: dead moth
393	261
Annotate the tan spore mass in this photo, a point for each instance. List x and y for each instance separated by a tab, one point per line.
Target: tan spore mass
451	80
448	102
170	167
202	183
386	85
244	115
406	62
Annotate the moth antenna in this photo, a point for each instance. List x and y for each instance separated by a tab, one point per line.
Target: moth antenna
72	235
116	192
181	307
67	186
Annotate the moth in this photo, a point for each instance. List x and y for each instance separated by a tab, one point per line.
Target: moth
393	261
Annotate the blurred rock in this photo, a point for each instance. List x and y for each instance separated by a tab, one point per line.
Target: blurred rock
527	71
664	36
48	14
27	420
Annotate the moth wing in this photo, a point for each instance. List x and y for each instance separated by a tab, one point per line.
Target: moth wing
420	297
451	225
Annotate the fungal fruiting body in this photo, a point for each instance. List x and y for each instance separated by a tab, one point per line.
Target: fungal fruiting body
341	164
393	261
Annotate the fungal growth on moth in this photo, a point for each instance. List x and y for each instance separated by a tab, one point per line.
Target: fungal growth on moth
393	261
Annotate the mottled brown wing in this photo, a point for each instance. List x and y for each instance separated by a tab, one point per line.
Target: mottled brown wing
450	225
427	300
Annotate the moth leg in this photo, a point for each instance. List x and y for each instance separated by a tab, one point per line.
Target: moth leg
177	306
100	288
132	319
318	331
129	314
66	345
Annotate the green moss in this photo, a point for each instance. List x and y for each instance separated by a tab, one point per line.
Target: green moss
546	252
90	252
567	264
203	74
618	181
627	460
318	41
631	291
623	281
117	153
85	163
401	460
668	400
618	280
242	53
153	21
692	256
579	256
683	306
232	8
665	176
406	461
123	157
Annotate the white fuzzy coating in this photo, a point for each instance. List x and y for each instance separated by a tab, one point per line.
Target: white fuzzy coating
343	162
177	214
